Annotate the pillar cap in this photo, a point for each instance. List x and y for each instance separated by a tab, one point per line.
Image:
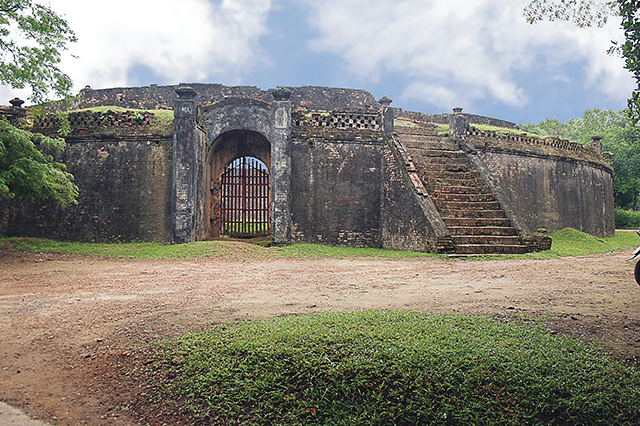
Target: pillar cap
281	94
385	101
186	92
16	102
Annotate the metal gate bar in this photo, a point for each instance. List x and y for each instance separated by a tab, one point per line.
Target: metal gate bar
245	205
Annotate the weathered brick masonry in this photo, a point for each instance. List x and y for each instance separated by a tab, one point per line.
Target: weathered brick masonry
122	166
341	174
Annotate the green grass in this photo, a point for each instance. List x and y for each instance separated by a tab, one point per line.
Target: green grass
162	122
246	227
504	130
393	368
567	242
570	242
213	249
443	129
404	123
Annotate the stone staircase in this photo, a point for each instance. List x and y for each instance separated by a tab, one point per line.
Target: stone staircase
465	202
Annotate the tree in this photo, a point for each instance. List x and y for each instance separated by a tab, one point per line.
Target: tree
587	13
32	38
583	13
29	173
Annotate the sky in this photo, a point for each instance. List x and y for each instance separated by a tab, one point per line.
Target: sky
427	55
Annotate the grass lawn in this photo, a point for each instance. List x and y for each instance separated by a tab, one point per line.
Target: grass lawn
394	368
567	242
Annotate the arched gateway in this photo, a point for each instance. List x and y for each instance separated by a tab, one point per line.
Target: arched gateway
231	168
238	202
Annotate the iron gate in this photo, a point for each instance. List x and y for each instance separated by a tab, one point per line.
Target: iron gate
245	203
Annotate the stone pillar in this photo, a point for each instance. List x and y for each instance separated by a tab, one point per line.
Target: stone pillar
596	144
17	114
387	114
281	167
185	149
458	125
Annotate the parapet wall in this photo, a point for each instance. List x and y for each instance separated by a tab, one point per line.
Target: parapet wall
549	146
307	98
445	118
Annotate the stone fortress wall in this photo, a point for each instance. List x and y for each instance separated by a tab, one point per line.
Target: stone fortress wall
341	173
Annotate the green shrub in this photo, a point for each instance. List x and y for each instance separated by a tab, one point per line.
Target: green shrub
627	219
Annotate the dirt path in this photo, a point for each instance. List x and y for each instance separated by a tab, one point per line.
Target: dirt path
62	317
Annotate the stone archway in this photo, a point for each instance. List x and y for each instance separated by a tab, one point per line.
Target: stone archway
207	139
225	150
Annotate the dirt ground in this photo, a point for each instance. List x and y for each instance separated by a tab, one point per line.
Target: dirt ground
64	318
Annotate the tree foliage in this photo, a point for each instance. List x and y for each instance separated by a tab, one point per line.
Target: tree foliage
28	172
583	13
631	50
587	13
620	137
32	38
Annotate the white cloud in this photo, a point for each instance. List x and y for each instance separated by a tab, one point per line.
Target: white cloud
186	40
455	53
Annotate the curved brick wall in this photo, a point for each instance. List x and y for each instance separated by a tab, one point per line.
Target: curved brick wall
347	185
552	184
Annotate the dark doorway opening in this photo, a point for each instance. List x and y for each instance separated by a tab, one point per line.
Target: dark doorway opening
245	202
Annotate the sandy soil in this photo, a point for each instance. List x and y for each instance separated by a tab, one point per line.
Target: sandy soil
64	319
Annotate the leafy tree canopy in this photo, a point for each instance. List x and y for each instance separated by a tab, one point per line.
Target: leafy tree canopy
583	13
32	38
26	171
587	13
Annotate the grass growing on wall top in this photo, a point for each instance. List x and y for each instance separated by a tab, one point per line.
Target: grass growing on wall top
443	129
503	130
162	122
386	368
568	242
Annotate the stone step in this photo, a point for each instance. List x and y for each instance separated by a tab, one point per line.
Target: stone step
483	230
470	205
473	214
439	160
426	157
415	142
441	197
481	249
474	183
438	188
476	221
413	130
442	169
512	240
444	174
